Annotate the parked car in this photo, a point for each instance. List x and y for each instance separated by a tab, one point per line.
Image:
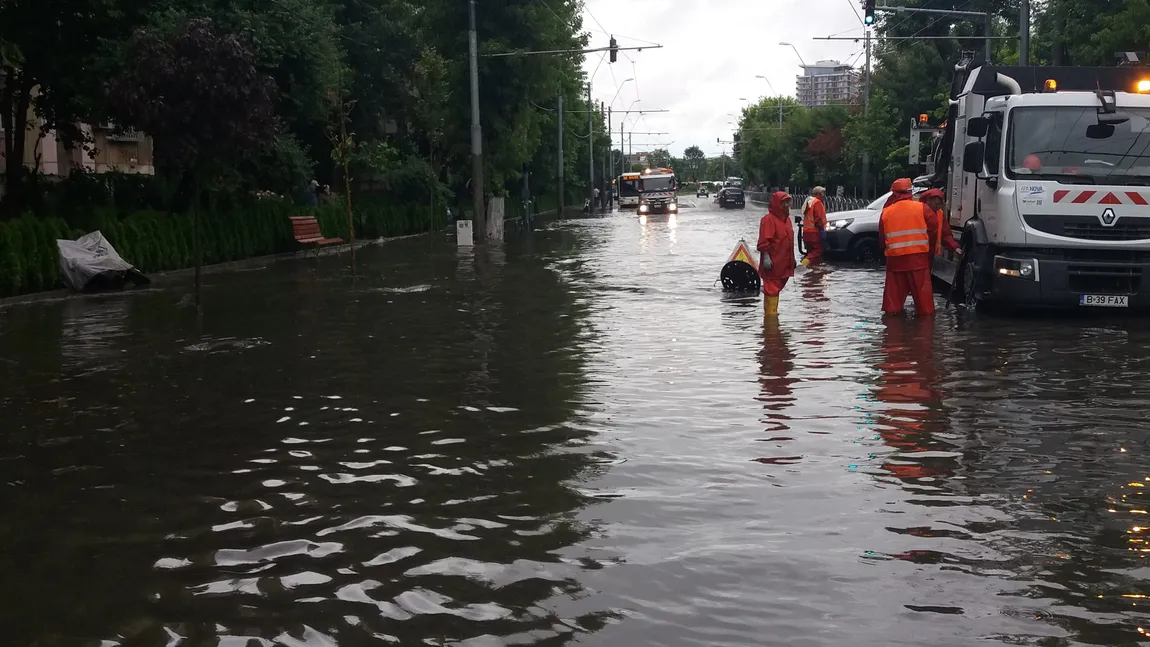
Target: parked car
732	197
853	235
701	192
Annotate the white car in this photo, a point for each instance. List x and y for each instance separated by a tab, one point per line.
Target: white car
854	234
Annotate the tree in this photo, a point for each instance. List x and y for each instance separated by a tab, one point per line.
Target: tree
694	157
48	70
659	157
198	93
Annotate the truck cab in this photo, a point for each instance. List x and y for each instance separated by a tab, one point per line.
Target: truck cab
1049	183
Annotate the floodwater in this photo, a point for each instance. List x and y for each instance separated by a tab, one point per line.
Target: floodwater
576	438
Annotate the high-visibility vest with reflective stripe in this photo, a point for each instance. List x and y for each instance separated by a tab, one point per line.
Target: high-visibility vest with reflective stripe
809	215
904	229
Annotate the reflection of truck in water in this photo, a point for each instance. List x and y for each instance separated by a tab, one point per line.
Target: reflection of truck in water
1047	176
658	191
628	190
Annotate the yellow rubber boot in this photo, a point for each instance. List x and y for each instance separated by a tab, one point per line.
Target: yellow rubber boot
805	262
771	306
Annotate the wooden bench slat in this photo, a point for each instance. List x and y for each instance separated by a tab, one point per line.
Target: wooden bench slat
306	231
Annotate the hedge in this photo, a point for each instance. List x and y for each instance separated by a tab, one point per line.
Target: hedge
156	241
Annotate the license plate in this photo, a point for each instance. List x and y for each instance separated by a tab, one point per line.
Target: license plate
1104	301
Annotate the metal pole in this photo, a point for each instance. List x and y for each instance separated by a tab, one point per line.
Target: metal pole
561	188
480	220
590	150
1024	32
989	26
622	149
866	112
780	112
604	178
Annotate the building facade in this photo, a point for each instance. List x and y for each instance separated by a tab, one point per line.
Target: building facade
828	82
110	150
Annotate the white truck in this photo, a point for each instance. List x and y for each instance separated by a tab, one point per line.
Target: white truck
658	191
1047	176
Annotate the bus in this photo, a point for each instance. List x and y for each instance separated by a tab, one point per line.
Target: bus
629	190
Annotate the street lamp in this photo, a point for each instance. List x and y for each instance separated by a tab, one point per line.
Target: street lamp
780	97
796	52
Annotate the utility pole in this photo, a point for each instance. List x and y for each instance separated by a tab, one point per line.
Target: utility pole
561	187
622	149
590	150
480	219
866	112
603	178
989	25
1024	32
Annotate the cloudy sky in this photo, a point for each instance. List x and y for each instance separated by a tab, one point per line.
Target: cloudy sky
712	51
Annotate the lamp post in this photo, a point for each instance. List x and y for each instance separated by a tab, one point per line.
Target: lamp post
804	63
777	95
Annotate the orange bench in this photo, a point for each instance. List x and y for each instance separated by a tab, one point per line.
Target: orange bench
306	232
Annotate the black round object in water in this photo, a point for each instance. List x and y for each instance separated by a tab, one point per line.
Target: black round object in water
740	276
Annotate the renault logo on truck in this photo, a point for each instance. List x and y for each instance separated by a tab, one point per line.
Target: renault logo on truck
1108	218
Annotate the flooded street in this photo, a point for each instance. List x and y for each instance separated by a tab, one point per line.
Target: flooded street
575	438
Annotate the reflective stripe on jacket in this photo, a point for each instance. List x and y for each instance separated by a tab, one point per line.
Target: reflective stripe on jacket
905	229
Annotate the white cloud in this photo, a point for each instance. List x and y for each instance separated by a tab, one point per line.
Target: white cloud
712	51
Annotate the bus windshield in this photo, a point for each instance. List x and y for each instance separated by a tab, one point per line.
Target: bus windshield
664	183
1068	144
628	187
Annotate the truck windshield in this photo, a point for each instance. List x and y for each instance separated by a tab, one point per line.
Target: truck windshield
1067	144
658	183
628	187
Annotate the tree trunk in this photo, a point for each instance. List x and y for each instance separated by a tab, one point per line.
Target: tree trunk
197	253
14	104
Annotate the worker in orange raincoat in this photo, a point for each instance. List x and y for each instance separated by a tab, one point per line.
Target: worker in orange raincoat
908	231
935	199
815	226
776	250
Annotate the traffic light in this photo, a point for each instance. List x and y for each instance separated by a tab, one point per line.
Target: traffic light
868	12
735	147
615	49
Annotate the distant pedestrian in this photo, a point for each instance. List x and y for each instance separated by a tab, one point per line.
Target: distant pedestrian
310	198
908	231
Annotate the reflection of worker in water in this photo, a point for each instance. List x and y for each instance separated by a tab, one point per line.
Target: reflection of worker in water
776	250
908	387
776	364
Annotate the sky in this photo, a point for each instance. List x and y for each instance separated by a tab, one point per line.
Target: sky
712	51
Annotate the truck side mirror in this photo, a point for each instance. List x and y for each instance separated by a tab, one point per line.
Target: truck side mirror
977	127
973	157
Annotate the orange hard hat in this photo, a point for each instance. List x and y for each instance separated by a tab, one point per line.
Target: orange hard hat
901	185
932	193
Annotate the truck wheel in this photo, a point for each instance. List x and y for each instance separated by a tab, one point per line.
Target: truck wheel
866	251
970	296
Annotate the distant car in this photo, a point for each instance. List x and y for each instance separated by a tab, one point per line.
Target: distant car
702	192
732	197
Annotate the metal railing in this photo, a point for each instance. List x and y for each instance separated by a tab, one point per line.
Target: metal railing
832	203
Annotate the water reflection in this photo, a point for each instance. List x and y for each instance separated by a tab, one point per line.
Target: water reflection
569	438
388	465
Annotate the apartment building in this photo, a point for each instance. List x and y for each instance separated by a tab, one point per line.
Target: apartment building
828	82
